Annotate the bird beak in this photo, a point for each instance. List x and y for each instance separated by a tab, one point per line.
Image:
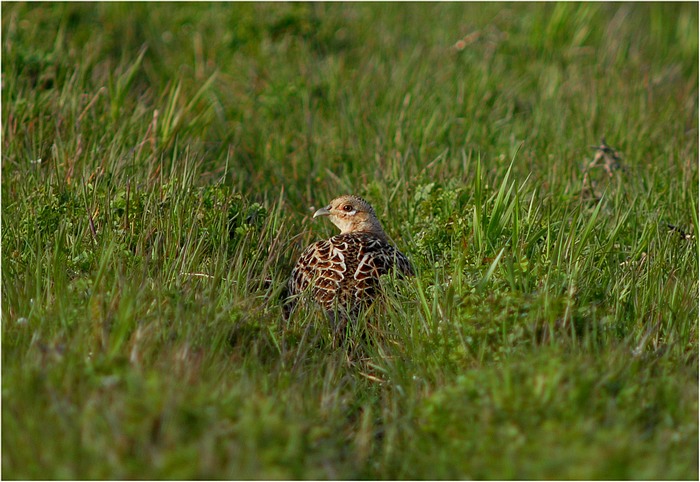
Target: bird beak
322	212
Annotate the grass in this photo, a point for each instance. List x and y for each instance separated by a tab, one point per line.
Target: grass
159	163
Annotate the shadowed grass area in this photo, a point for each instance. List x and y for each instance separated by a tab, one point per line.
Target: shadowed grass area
159	167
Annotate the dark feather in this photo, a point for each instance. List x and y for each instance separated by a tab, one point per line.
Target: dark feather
342	273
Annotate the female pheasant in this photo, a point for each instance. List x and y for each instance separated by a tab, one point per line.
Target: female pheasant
342	273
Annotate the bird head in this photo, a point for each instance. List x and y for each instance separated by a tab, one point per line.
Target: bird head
352	214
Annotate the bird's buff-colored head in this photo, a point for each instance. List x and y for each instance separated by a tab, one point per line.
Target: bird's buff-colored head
352	214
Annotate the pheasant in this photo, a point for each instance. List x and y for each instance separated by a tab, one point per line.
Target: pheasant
342	273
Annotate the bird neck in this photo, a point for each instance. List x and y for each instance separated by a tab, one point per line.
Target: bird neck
369	227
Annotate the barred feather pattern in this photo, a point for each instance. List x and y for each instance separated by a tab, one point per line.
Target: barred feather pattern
342	273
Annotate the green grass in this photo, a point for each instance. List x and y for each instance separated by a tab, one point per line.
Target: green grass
159	163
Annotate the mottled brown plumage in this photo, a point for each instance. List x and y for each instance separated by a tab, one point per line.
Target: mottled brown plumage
342	273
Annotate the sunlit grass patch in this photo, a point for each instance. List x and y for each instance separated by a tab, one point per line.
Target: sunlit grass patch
537	163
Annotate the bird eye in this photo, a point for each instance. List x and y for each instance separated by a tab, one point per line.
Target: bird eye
347	208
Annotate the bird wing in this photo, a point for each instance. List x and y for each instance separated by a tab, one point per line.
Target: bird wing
345	269
321	265
376	257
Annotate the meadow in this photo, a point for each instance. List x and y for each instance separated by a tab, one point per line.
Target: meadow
538	163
